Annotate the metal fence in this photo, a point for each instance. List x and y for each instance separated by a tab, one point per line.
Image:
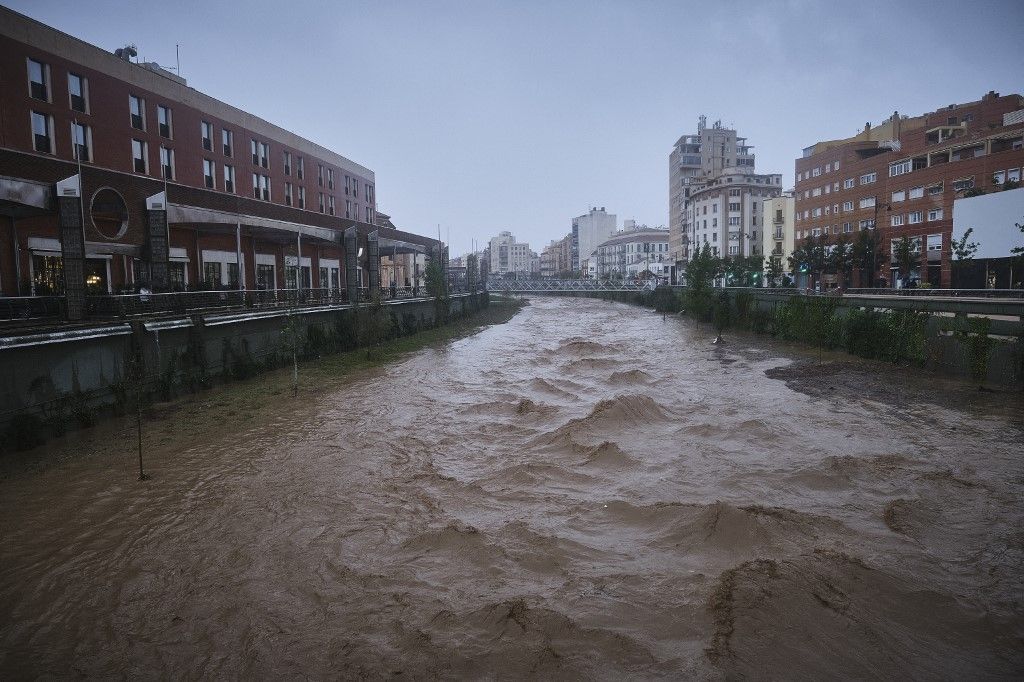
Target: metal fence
14	308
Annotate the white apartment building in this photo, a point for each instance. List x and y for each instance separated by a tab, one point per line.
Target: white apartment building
727	213
588	231
509	256
778	232
694	161
630	253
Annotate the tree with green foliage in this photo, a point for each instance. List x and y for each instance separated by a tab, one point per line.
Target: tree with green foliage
1018	250
841	260
702	271
963	249
867	256
773	271
906	252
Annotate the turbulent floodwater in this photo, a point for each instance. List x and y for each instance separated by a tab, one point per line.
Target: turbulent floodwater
588	491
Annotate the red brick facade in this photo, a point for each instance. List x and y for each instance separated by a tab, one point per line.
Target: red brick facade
948	151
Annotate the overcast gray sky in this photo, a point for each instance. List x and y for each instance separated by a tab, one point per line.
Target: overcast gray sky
484	116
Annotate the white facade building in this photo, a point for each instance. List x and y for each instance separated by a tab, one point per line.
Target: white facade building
629	254
509	256
778	231
726	213
588	231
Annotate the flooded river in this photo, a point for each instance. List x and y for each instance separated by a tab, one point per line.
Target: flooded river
587	491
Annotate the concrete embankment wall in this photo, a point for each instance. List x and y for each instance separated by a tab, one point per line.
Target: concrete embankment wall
947	334
63	378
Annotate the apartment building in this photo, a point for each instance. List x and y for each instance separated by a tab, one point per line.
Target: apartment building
694	161
116	175
727	212
632	252
902	178
509	256
589	230
777	231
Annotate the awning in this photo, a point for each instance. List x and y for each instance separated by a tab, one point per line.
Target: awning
22	198
178	213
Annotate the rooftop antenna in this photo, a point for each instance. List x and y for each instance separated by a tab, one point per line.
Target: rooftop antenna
177	58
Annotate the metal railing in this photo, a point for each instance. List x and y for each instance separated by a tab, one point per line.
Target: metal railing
540	286
934	293
181	302
14	308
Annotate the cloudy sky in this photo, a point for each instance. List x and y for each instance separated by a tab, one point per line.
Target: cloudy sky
486	116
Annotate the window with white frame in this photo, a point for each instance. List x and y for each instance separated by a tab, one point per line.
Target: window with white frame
38	80
81	141
42	132
302	197
229	179
206	132
847	205
1013	175
868	178
166	163
866	202
935	214
900	168
899	196
848	183
816	172
209	177
915	217
227	140
137	111
163	119
140	158
896	220
999	177
916	192
78	93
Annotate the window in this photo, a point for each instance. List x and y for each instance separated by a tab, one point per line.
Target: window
208	173
867	224
896	220
916	192
915	217
302	197
963	184
320	201
828	167
288	194
835	165
868	178
301	169
935	189
847	227
348	209
935	214
163	118
330	204
256	185
287	163
866	202
137	107
140	160
227	140
1013	175
847	205
900	168
265	187
935	243
81	141
206	129
816	172
330	178
899	196
816	192
734	192
734	221
255	152
355	187
38	80
714	222
264	154
42	133
78	90
999	177
229	179
320	176
734	206
166	163
348	185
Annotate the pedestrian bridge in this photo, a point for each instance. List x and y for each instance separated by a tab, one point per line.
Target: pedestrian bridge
550	286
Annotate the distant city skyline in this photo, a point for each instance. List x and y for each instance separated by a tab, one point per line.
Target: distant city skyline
484	117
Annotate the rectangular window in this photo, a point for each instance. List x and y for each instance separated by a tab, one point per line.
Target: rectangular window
320	201
1013	175
900	168
348	185
896	220
355	187
935	214
208	174
137	108
935	189
287	194
78	93
227	140
301	168
867	224
734	207
915	217
330	204
166	163
229	179
963	184
330	178
42	133
140	159
287	156
899	196
816	172
265	187
255	152
38	80
868	178
320	175
866	202
302	197
256	185
934	242
264	154
163	118
916	192
999	177
81	141
206	129
847	205
848	183
847	227
348	209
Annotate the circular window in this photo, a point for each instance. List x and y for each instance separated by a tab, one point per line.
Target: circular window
109	213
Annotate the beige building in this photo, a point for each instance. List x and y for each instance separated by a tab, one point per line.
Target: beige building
726	213
778	240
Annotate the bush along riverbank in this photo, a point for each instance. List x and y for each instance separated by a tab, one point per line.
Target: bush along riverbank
959	346
279	355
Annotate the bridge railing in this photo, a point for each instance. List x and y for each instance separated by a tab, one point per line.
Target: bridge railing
558	285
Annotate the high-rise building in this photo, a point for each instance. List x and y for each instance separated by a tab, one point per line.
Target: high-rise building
589	230
777	230
900	179
694	161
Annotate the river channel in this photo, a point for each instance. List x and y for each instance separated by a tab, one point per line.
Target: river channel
587	491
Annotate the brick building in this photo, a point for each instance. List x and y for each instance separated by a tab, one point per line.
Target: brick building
116	175
902	177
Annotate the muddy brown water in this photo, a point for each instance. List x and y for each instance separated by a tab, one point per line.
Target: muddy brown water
588	491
